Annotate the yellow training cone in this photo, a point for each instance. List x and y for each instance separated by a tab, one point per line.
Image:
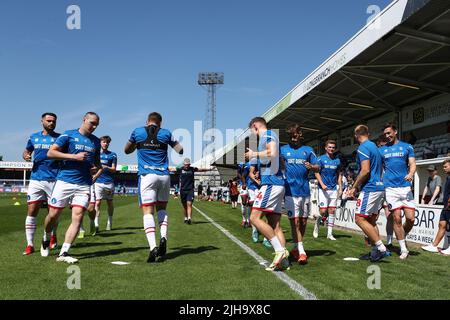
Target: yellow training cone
17	203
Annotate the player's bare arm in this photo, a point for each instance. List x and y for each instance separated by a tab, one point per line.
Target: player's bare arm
412	169
26	155
55	153
271	151
319	179
130	147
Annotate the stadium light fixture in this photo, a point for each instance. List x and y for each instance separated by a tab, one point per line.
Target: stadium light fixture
331	119
206	78
361	105
403	85
310	129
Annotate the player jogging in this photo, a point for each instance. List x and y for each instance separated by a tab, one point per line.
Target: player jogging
270	196
80	150
43	177
152	144
329	178
370	199
399	164
298	159
104	185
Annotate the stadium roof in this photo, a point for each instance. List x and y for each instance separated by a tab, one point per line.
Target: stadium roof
399	58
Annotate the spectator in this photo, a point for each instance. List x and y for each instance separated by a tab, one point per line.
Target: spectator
432	190
410	138
429	151
208	192
234	193
444	219
199	191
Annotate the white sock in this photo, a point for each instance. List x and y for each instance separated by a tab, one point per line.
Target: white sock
149	229
185	218
110	220
243	211
276	244
163	223
300	248
65	248
380	246
96	222
390	237
330	223
30	229
254	229
47	236
402	244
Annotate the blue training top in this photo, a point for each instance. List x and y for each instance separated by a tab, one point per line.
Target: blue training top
396	164
73	142
297	183
269	168
44	169
329	171
107	158
369	151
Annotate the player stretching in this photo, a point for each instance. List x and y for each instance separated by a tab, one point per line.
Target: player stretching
104	186
43	177
399	168
370	199
80	150
152	143
270	196
329	177
298	159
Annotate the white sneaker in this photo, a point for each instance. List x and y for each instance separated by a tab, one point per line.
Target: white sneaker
404	255
45	248
330	237
66	258
446	252
430	248
316	228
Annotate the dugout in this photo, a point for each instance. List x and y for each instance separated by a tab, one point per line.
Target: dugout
396	68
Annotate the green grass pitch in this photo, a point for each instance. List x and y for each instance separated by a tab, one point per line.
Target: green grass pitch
201	263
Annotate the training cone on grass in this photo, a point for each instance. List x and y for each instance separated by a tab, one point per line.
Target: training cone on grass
17	203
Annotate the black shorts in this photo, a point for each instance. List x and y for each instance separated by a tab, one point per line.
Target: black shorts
234	198
187	195
445	215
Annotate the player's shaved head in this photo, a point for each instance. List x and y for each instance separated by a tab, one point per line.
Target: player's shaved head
154	117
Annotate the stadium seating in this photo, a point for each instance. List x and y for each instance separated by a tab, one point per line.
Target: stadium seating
440	143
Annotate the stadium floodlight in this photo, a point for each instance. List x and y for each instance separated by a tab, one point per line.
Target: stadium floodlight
361	105
207	78
331	119
403	85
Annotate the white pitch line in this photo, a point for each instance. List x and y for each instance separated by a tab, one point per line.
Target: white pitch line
294	285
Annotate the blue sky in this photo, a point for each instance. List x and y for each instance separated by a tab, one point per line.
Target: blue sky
134	57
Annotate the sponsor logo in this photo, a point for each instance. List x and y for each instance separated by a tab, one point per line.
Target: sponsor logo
53	201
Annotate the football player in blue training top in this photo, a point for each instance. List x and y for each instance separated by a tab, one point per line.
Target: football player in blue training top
370	182
298	160
399	163
104	186
270	196
329	178
80	151
43	177
152	144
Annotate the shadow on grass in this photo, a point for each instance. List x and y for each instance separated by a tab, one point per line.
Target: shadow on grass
105	253
82	245
337	236
107	234
128	228
185	250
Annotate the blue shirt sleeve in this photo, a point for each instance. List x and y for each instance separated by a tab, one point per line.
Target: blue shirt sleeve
114	160
410	151
133	137
363	153
62	140
312	157
30	146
